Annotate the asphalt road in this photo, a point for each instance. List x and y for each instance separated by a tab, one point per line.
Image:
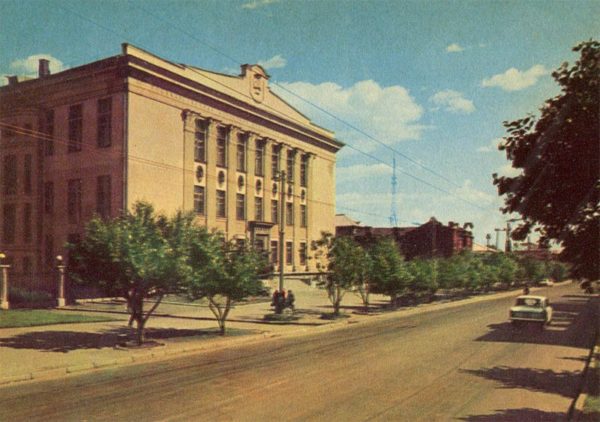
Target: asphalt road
464	363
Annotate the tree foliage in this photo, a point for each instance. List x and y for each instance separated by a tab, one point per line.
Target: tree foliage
390	275
558	190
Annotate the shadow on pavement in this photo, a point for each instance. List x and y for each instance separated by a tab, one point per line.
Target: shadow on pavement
518	415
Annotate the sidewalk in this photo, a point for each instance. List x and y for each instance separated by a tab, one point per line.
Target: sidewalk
45	352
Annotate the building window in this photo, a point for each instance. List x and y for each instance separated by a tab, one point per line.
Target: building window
289	213
9	179
274	211
9	220
259	158
27	164
75	128
49	251
304	171
104	122
200	141
103	196
240	206
241	152
274	252
74	201
289	253
49	131
302	215
275	160
49	197
222	133
199	199
303	253
27	267
27	231
291	159
221	204
258	208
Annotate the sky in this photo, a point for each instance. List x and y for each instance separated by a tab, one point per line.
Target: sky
427	83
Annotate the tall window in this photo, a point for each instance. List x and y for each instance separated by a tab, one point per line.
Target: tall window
199	199
304	171
221	204
49	250
103	196
289	253
74	201
274	252
9	178
200	141
9	222
240	206
259	158
289	213
27	229
302	215
303	253
222	133
274	211
27	267
258	208
75	128
241	152
275	160
49	131
104	122
27	164
49	197
291	159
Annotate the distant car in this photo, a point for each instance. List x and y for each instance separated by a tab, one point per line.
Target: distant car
531	309
546	282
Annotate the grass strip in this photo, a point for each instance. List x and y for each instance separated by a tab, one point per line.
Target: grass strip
34	317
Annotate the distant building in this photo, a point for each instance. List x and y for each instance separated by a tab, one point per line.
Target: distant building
430	239
94	139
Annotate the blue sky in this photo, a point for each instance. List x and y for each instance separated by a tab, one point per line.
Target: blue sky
432	80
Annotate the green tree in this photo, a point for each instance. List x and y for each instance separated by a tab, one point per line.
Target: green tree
424	275
129	257
390	274
558	190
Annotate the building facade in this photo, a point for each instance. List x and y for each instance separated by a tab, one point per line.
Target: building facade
94	139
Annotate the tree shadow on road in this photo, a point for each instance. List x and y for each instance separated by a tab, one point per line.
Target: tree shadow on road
518	415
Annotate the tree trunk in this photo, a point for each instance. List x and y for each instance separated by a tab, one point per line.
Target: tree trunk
140	334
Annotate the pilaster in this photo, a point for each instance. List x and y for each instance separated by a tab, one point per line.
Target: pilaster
231	180
189	127
211	174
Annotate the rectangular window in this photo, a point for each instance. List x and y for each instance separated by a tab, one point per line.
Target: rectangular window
302	215
303	253
49	197
241	152
199	200
27	229
75	128
104	122
103	196
258	208
291	159
49	131
240	206
27	267
275	160
9	223
289	213
289	253
49	251
222	133
9	179
304	171
27	164
221	204
274	211
74	201
259	158
200	141
274	252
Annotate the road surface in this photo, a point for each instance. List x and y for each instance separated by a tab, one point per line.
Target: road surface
463	363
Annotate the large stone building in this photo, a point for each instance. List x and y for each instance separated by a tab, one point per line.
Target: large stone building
96	138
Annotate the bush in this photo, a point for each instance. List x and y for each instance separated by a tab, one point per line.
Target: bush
29	298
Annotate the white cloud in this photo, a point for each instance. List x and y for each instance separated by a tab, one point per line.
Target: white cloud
258	3
362	171
509	171
493	146
514	79
274	62
469	193
453	101
389	114
29	66
454	48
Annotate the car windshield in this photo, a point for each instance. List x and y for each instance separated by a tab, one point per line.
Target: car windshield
527	301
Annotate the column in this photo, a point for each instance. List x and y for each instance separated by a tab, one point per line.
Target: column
4	302
61	302
211	174
250	177
296	208
231	180
309	207
189	129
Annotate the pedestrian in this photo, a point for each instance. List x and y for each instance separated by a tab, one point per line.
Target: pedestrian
526	290
275	299
290	300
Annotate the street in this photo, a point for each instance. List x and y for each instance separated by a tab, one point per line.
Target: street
462	363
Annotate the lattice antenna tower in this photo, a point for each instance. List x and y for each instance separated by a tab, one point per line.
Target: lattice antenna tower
394	213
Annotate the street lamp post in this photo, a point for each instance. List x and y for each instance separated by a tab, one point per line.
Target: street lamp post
4	304
61	281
